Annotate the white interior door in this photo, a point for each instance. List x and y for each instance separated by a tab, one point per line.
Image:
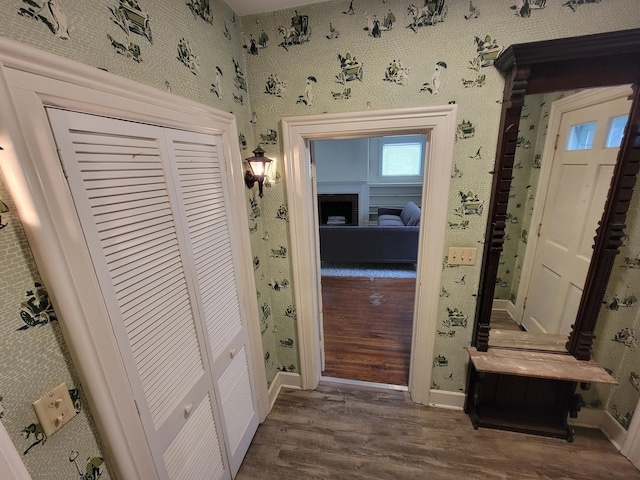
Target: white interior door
583	163
151	203
202	190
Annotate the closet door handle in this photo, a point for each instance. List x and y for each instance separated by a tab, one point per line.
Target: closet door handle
187	409
232	353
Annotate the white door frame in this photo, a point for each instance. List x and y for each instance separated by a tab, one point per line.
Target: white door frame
29	80
11	465
439	124
631	445
558	109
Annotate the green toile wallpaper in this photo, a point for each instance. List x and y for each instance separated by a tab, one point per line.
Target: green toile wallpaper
344	56
191	48
33	360
337	56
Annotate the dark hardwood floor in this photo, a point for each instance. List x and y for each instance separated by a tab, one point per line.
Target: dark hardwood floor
348	432
368	323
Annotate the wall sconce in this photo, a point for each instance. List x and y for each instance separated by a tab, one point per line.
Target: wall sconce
257	169
3	209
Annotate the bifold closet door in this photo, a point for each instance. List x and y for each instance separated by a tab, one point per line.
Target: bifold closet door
156	241
198	168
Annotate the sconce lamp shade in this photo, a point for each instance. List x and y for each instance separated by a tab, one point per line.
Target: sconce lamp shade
3	209
257	169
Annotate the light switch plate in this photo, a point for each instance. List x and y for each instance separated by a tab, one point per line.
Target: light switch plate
462	255
54	409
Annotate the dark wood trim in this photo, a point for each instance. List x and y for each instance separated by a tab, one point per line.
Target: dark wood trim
540	67
512	103
536	406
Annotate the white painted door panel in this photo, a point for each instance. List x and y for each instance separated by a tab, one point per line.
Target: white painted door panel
578	189
201	186
156	247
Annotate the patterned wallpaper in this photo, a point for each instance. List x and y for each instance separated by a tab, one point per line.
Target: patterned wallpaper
618	328
336	56
193	49
343	56
33	360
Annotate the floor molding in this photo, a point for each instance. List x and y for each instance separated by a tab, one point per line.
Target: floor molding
589	418
446	399
505	305
283	380
613	430
603	420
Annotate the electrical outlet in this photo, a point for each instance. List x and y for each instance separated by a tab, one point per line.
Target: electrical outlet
54	409
462	255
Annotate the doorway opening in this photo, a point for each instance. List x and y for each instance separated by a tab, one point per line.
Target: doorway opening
439	126
369	192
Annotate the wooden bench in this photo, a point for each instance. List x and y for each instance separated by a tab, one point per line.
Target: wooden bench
528	391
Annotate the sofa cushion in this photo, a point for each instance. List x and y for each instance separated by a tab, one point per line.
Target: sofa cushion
414	220
410	210
390	221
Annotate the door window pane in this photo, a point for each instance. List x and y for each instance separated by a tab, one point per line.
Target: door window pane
616	131
581	136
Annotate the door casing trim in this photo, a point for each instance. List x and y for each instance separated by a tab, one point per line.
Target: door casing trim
439	124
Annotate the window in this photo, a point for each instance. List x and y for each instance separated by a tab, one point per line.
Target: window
616	131
401	159
581	136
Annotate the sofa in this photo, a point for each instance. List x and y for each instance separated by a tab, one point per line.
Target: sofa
393	240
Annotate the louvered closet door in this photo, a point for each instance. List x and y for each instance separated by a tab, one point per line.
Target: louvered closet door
122	179
201	184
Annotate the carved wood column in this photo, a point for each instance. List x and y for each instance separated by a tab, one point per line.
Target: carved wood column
512	102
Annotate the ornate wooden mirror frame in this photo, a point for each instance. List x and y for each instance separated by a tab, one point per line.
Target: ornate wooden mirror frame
541	67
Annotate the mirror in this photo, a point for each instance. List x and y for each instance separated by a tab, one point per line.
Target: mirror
566	151
540	68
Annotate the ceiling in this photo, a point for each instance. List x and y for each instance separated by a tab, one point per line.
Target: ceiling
249	7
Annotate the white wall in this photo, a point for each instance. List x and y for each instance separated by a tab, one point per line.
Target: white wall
342	160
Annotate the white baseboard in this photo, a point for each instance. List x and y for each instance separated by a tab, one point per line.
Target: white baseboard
603	420
589	418
283	380
446	399
504	305
613	430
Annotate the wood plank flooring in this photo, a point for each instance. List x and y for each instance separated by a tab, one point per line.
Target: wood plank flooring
368	324
501	320
347	432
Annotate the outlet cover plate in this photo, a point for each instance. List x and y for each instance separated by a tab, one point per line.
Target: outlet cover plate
54	409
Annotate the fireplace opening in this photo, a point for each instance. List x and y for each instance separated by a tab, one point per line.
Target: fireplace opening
338	209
